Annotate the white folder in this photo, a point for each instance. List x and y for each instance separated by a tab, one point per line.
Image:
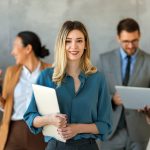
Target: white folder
134	97
47	103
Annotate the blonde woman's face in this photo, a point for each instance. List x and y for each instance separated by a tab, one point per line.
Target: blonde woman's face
75	45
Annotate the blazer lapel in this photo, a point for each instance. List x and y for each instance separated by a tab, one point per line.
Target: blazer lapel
15	79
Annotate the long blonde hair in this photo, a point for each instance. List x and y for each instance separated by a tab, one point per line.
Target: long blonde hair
60	61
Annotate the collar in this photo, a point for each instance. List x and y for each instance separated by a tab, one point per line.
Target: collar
81	75
26	70
123	54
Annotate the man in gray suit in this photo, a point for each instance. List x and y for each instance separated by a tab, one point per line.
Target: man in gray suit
128	66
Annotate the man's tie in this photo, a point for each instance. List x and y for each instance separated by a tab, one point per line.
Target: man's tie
127	73
122	122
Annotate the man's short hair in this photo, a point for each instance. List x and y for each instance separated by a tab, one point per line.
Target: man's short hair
129	25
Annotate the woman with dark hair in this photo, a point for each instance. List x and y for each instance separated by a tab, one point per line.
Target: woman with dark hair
82	94
17	92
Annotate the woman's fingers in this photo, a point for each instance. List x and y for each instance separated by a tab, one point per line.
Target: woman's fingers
58	120
61	116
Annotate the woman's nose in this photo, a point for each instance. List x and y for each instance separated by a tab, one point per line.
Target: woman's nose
73	44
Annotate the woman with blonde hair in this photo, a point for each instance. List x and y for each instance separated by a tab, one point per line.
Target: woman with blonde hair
17	91
85	106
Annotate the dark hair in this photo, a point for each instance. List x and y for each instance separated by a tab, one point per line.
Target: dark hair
31	38
129	25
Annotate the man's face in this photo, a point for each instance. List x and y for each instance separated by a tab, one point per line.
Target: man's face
129	41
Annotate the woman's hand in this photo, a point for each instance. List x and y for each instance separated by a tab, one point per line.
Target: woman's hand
72	130
58	120
69	131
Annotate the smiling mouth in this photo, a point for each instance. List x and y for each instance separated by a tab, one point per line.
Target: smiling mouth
74	52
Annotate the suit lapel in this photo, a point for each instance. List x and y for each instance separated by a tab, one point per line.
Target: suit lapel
116	67
137	66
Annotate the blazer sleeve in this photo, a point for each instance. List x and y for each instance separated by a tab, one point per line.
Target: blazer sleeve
5	89
104	123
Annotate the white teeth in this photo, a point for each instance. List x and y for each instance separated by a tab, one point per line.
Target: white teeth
74	52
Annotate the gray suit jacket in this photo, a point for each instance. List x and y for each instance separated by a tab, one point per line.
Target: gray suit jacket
110	64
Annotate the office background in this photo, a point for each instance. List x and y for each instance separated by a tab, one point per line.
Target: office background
46	16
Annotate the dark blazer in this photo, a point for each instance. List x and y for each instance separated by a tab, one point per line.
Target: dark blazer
110	64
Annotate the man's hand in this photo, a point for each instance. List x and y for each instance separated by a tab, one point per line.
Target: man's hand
146	111
117	99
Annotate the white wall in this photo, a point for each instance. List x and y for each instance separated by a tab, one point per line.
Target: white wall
46	16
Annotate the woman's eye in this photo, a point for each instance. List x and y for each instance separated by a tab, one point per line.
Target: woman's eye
79	41
67	41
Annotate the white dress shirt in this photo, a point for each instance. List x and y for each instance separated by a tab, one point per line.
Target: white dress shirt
23	92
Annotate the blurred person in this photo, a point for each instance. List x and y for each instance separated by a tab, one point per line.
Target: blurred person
127	66
17	91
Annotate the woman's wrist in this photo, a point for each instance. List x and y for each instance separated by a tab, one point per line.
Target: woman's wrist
86	128
40	121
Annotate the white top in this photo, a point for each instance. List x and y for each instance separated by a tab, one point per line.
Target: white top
23	92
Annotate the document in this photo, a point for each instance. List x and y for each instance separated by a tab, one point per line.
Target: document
47	103
134	97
